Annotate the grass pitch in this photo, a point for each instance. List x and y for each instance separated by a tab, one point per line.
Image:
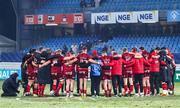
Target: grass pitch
89	102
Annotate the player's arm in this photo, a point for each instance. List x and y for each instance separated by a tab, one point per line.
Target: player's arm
45	64
131	63
93	61
69	58
34	64
146	62
150	60
169	57
155	56
24	64
111	63
126	62
71	62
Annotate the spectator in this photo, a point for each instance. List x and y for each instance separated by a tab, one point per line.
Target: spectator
63	31
93	3
74	48
88	45
105	49
81	45
82	4
65	49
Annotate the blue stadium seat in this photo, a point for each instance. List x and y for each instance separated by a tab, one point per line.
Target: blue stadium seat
138	5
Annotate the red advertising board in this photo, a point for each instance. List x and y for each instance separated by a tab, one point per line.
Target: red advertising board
55	19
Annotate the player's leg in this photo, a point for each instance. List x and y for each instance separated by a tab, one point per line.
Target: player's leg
102	85
173	73
140	77
125	86
71	87
172	77
41	88
164	83
114	85
156	83
109	87
131	85
152	79
105	83
77	81
28	87
67	87
145	86
97	85
60	85
81	86
35	88
170	83
148	86
85	86
119	81
54	84
136	84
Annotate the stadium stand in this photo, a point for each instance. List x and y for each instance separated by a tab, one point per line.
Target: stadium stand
137	5
57	43
149	42
73	6
53	43
58	6
118	42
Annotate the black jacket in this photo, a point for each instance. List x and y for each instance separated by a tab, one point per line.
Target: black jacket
10	86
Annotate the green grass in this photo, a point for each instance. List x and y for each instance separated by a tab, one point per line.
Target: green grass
100	102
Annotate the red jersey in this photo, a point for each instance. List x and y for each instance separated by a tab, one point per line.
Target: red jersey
56	64
127	57
106	60
138	65
30	68
83	62
68	69
146	56
154	65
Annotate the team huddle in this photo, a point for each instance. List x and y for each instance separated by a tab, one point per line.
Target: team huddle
135	72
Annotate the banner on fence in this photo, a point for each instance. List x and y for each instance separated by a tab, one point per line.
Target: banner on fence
148	16
5	73
103	18
125	17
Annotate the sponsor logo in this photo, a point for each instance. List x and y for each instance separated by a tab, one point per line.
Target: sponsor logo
40	19
29	19
51	18
78	19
